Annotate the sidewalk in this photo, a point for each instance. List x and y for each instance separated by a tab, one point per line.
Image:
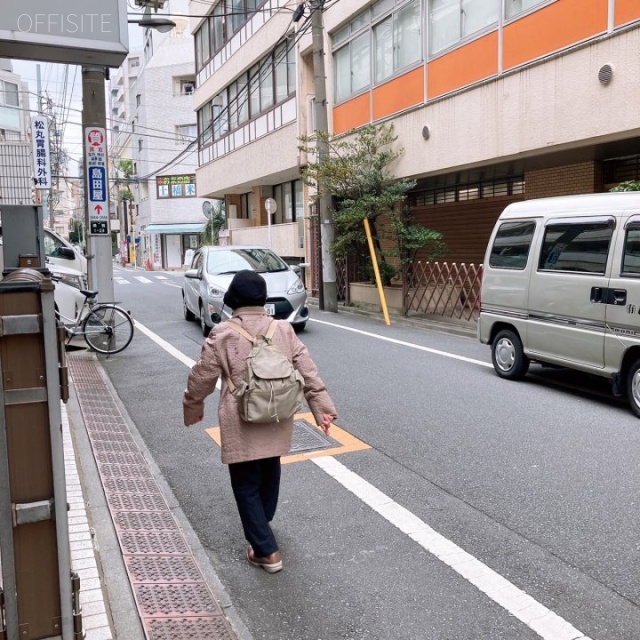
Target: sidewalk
143	573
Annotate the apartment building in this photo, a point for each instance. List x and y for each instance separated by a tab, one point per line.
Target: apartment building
16	167
492	101
158	136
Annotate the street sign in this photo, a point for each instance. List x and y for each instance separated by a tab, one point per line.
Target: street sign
41	154
96	190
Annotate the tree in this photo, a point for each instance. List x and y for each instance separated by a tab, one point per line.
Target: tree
629	185
356	174
215	224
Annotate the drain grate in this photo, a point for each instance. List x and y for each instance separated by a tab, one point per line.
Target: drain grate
168	600
161	569
307	438
137	502
146	520
191	629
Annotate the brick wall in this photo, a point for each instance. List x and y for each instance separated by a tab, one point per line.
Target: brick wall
571	179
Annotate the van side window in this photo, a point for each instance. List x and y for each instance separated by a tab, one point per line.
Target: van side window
578	247
631	259
511	245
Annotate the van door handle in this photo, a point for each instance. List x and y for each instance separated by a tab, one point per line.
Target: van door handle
617	297
596	294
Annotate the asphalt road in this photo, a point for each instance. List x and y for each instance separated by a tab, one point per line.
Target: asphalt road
533	485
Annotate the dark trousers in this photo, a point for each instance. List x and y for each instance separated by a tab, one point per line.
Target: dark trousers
256	486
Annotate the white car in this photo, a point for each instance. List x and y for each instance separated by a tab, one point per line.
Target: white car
68	283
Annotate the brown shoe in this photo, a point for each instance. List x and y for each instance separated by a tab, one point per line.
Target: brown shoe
271	563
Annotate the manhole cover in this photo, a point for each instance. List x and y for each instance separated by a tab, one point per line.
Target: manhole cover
306	437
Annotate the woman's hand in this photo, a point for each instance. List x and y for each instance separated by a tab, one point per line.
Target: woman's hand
326	422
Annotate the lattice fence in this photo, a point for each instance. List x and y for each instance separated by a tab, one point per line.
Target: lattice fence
443	289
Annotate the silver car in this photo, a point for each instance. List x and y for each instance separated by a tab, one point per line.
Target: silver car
210	275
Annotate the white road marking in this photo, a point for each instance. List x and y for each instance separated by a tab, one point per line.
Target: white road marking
142	279
543	621
121	280
377	336
547	624
161	277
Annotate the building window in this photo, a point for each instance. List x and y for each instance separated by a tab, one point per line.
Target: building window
246	205
186	132
270	82
187	87
221	25
397	41
516	7
391	32
138	98
453	20
140	144
289	201
183	186
9	94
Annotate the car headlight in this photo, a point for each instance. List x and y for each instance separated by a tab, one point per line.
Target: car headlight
297	287
215	292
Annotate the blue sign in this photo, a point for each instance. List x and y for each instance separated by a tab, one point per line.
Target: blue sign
98	184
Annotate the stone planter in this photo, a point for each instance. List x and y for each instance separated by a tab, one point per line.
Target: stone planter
366	294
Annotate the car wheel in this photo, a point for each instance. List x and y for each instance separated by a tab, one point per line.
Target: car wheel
509	359
203	322
299	326
633	387
188	315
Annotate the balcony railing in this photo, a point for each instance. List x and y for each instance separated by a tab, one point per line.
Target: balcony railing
285	239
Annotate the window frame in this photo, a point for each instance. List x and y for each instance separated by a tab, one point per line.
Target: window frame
508	225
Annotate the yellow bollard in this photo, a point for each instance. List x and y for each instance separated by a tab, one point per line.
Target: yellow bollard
372	251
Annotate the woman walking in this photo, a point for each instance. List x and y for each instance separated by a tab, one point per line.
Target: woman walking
252	451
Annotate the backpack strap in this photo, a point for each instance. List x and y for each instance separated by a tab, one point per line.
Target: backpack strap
241	331
271	330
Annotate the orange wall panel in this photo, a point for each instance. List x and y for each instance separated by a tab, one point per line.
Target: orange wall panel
468	64
399	93
351	114
626	11
554	27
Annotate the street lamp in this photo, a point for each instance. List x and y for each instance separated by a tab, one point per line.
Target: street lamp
152	22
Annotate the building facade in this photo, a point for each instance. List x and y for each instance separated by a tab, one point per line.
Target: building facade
158	139
492	101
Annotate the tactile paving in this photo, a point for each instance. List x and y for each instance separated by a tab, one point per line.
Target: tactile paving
173	599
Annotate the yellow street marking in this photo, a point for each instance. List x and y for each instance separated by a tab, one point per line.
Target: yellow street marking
348	443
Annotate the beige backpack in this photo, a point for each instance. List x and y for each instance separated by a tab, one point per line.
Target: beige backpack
272	389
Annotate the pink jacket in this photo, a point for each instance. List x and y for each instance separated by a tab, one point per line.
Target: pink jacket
224	353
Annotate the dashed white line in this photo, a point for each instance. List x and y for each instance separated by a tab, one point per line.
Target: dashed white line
547	624
142	279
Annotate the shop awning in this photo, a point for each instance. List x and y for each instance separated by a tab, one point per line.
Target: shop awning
185	227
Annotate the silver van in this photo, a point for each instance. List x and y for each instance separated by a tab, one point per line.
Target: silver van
561	286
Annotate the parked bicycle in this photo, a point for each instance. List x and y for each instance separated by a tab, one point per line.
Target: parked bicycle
106	327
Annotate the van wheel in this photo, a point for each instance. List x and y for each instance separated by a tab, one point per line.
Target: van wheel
508	357
633	387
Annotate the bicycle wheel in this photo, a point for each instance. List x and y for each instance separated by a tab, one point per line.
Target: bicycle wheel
108	329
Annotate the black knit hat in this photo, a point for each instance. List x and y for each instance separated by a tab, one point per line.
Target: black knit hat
247	289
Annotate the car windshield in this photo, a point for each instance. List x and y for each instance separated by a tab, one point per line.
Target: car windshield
234	260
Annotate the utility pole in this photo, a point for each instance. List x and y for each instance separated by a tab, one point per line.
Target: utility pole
329	299
97	231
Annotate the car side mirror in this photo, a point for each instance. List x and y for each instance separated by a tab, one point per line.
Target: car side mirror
192	273
66	252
